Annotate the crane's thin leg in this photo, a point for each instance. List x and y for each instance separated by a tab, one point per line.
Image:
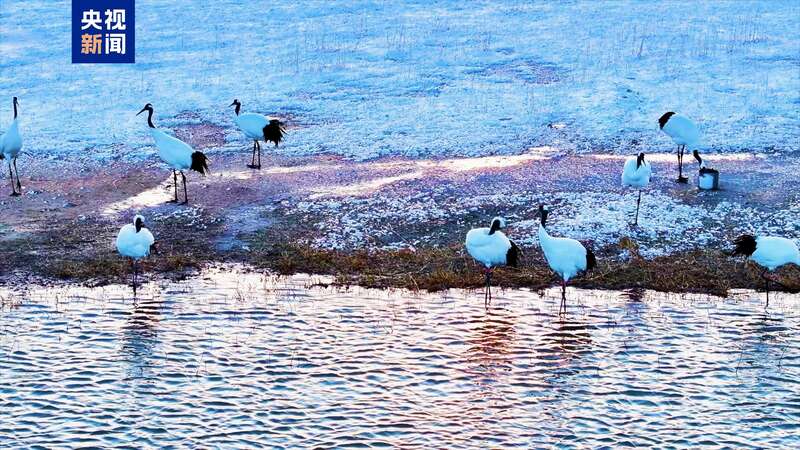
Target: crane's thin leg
11	177
638	202
19	185
489	283
133	273
486	288
681	178
258	164
563	297
185	195
252	164
766	282
175	185
135	276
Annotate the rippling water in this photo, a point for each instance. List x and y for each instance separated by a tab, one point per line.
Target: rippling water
243	360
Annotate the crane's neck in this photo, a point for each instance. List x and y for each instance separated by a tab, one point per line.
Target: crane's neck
15	110
544	237
238	108
150	118
699	159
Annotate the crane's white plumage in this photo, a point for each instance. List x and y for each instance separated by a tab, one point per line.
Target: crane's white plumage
173	151
773	252
683	132
706	181
178	155
681	129
135	240
566	257
708	178
252	124
11	141
770	252
636	173
10	146
256	127
490	247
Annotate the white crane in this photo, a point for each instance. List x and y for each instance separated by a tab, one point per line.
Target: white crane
176	153
636	173
769	252
10	145
683	132
490	247
135	241
566	257
708	178
255	126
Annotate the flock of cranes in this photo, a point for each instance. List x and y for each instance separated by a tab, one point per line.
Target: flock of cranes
489	246
567	257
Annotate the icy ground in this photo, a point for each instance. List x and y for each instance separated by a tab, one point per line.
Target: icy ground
426	204
370	78
393	203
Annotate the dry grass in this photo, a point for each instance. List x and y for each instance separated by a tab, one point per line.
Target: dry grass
96	269
702	271
103	269
84	253
66	254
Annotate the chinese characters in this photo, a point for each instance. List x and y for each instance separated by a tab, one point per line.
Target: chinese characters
96	40
103	31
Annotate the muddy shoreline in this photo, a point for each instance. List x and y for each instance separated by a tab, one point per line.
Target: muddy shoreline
706	272
394	222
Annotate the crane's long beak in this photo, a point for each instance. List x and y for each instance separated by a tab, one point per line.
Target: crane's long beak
232	104
143	110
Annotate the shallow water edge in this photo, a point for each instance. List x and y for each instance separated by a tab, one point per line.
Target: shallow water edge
236	358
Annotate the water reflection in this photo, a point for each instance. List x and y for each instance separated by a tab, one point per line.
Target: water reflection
140	337
763	340
564	343
236	359
490	347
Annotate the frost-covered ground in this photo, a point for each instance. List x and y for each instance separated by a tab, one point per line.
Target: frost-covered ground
370	78
409	124
65	222
429	204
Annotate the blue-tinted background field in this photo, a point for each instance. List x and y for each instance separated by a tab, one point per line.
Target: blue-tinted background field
365	79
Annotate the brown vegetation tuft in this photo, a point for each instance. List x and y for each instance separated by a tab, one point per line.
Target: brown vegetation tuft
66	254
